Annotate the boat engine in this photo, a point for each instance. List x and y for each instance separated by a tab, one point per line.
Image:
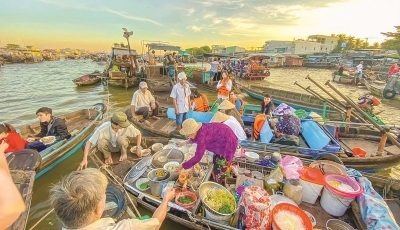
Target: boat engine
368	102
392	87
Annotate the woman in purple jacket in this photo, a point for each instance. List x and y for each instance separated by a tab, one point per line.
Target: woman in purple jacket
217	138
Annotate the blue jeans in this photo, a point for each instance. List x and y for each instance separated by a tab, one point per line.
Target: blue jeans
37	145
212	75
180	118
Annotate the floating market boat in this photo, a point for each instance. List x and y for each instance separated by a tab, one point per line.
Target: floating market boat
319	65
80	124
296	100
199	215
88	79
378	87
346	80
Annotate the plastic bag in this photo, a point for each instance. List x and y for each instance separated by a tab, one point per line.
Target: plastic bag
292	167
275	174
293	190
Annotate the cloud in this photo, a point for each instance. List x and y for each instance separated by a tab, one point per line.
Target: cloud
209	15
190	11
132	17
194	28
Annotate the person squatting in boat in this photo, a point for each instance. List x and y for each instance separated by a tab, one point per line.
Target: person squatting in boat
142	103
49	126
9	135
208	137
200	102
79	201
113	136
228	108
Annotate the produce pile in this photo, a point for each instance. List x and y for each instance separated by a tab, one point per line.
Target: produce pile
220	201
189	70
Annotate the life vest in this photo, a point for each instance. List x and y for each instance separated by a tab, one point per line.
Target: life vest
233	101
258	123
223	91
201	104
205	102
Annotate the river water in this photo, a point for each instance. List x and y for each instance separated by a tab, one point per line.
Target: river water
26	87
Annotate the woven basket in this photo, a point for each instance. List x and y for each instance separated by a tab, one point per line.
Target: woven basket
328	167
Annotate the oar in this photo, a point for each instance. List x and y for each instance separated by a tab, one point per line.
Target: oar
213	105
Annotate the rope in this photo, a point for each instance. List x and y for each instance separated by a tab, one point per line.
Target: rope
40	220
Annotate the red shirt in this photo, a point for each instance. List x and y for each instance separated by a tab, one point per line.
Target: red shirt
15	142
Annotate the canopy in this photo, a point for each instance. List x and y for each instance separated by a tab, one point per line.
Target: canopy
216	55
162	46
123	51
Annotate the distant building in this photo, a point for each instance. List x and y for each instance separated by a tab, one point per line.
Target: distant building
328	43
232	50
218	49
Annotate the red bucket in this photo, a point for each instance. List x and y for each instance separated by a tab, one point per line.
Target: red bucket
187	206
359	152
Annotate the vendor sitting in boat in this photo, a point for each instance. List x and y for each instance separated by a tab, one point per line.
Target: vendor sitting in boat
9	135
232	123
200	102
289	124
340	70
79	201
267	106
228	108
49	126
113	136
238	102
143	103
214	137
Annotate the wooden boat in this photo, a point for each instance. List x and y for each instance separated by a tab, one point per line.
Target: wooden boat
88	79
294	99
319	65
80	124
134	168
346	80
377	87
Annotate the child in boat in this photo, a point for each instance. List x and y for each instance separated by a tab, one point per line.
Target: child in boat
267	106
49	126
9	135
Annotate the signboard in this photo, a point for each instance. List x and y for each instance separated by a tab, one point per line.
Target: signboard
343	45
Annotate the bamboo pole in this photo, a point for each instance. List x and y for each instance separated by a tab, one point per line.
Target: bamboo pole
335	98
350	102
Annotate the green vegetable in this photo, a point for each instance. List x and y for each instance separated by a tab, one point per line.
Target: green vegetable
144	185
225	209
185	199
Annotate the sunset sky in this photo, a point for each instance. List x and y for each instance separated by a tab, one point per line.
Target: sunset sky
95	25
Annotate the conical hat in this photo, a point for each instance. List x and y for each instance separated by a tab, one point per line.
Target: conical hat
283	109
226	104
219	117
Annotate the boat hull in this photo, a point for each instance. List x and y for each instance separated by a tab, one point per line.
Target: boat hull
378	90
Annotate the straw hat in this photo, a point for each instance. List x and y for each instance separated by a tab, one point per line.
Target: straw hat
190	126
226	104
283	109
219	117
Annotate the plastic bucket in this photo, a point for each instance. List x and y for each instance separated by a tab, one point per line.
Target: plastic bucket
293	209
217	217
312	182
187	206
336	202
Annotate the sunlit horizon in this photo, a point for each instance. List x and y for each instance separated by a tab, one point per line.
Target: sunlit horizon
96	25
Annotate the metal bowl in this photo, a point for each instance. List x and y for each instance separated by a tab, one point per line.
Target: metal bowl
175	155
214	187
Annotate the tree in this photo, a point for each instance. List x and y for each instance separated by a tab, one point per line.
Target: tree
376	45
393	41
207	49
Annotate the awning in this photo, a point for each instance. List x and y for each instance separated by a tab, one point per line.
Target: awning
217	55
124	51
162	46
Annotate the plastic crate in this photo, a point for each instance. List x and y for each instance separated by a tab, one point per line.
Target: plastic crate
206	76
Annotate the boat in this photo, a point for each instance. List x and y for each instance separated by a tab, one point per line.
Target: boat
377	88
133	169
80	124
294	99
319	64
121	70
88	79
257	69
346	80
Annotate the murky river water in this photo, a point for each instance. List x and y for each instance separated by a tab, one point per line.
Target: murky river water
26	87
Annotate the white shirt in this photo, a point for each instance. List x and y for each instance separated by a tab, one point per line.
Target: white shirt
236	128
214	66
182	96
105	131
126	224
360	68
141	99
228	87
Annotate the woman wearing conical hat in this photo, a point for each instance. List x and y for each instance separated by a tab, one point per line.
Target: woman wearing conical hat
231	122
217	138
289	124
230	109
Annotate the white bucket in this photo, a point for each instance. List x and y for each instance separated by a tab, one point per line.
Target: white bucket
311	191
218	218
334	204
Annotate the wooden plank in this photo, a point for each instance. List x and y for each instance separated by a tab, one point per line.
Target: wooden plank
393	150
394	206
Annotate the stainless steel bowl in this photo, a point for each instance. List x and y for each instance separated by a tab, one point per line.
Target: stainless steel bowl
175	155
